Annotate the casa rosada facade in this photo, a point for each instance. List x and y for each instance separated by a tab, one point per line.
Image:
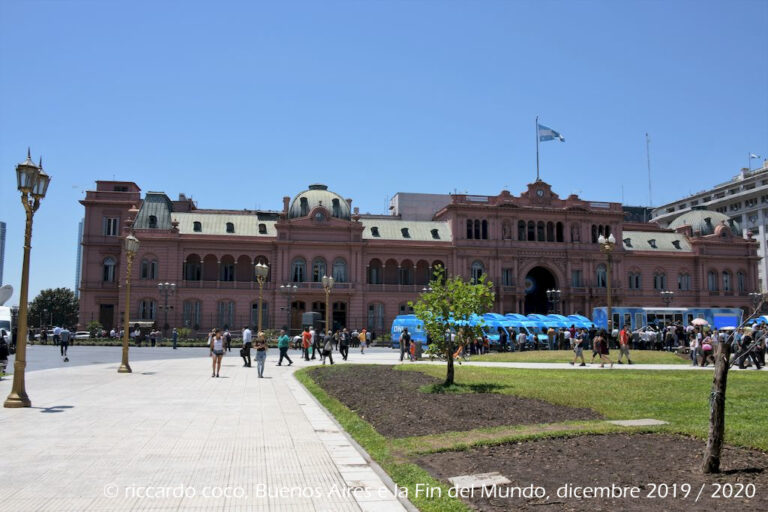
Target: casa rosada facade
524	244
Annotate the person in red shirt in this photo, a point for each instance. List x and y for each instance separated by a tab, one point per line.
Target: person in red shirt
624	345
306	341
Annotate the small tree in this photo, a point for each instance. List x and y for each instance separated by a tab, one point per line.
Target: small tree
94	328
57	306
449	306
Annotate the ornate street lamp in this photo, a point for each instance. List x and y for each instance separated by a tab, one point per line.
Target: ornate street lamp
262	270
328	286
607	245
32	182
167	289
553	296
131	246
667	296
288	290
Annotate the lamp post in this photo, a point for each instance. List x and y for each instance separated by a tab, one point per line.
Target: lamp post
328	286
262	271
667	296
288	290
32	182
131	247
553	296
168	289
607	245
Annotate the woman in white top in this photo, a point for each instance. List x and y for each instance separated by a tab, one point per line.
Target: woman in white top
217	351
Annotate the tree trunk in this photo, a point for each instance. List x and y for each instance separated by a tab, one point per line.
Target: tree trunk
711	462
449	371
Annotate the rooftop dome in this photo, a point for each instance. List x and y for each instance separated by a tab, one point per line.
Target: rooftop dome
319	195
703	222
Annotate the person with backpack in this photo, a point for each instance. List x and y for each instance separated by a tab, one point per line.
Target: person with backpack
344	343
328	348
64	338
405	343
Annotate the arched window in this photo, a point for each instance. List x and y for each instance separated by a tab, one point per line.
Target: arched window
521	230
193	269
601	276
340	270
108	274
712	281
304	206
148	269
484	229
477	271
477	230
594	234
659	281
226	314
376	316
318	270
298	270
405	273
375	272
192	314
152	221
726	281
683	281
227	272
741	282
264	315
405	309
197	227
147	309
634	280
469	229
531	231
336	208
230	227
550	232
540	232
559	232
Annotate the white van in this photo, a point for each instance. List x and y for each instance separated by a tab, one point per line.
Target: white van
5	321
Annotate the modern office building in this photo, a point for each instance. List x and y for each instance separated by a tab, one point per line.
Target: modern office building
525	244
743	199
2	250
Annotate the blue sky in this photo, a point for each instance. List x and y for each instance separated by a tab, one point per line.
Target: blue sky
240	103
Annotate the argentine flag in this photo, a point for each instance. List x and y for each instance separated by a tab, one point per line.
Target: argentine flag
546	133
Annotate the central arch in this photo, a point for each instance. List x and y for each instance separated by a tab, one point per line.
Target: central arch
537	281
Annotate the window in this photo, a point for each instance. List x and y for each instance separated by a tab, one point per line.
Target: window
735	206
152	221
477	271
318	270
304	207
594	234
435	235
406	309
227	271
507	277
336	208
740	282
230	227
197	227
226	318
559	232
484	229
634	280
550	231
147	309
192	314
540	232
712	281
110	226
376	317
531	231
405	232
375	232
660	281
683	282
477	229
148	269
340	271
469	229
193	270
576	279
405	274
264	315
375	274
521	230
298	270
601	276
262	229
108	274
726	281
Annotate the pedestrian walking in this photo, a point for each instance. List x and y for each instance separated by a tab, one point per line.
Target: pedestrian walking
245	352
175	337
706	351
261	353
4	351
228	339
344	343
328	348
578	348
313	342
624	345
363	341
502	339
412	350
217	351
64	337
306	340
283	342
601	344
405	343
56	335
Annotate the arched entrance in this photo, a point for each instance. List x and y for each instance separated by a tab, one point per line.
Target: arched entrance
537	282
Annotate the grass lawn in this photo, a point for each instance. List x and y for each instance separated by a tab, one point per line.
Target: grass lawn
564	356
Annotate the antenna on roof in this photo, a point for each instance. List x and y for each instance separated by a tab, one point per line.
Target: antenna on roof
648	157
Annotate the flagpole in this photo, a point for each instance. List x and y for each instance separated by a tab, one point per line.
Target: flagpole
537	149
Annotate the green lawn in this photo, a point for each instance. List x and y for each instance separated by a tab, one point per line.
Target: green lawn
564	356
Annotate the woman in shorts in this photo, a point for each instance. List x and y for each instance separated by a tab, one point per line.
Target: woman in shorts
578	348
217	351
601	346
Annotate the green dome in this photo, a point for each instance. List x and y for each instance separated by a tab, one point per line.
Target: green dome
703	222
319	195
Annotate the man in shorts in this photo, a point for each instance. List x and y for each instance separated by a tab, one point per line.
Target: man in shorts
578	348
624	345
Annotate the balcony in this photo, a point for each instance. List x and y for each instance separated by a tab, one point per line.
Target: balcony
395	288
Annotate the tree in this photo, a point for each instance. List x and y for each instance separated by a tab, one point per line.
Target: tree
51	307
450	305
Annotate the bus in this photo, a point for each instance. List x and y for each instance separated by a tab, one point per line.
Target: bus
638	317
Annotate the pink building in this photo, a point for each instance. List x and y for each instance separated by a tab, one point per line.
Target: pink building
525	244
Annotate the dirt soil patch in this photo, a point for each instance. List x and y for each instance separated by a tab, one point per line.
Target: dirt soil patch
655	463
391	401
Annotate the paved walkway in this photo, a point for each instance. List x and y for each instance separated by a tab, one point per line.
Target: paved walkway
170	437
